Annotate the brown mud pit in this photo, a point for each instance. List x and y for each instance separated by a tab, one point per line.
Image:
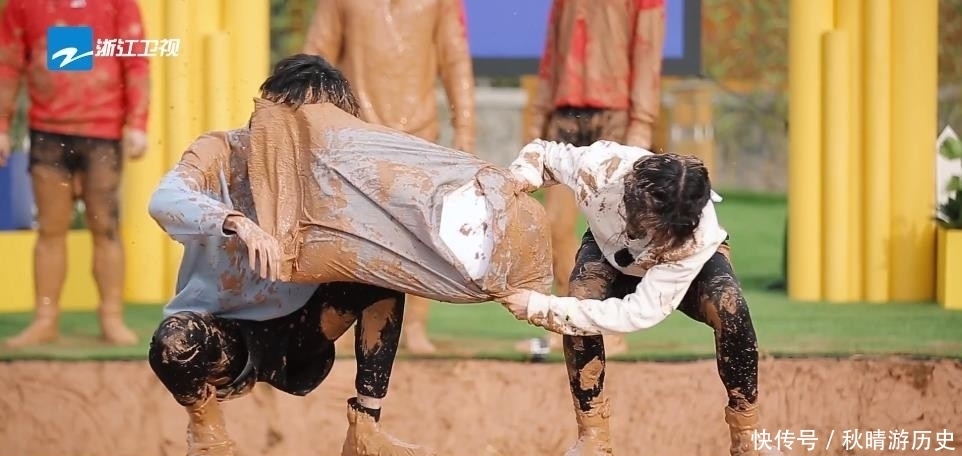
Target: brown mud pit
481	408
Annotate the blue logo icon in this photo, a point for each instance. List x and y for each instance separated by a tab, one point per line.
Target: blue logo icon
70	48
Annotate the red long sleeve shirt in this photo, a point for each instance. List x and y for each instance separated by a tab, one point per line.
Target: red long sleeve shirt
97	103
604	54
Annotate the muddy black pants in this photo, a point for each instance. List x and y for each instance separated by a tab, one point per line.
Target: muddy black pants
194	353
714	298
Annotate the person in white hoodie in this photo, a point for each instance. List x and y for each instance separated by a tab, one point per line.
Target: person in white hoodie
654	244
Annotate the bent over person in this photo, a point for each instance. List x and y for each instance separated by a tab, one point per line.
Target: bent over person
654	244
230	326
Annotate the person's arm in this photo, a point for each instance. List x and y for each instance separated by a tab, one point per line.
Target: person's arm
658	294
182	204
13	51
454	61
325	35
543	102
136	69
544	163
647	50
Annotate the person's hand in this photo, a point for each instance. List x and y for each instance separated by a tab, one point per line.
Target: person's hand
517	304
134	144
4	149
260	245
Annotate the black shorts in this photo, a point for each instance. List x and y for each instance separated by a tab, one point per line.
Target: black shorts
74	153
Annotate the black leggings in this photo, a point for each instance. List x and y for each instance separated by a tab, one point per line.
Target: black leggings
714	298
193	353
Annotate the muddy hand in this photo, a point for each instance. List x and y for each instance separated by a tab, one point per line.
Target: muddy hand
262	249
517	304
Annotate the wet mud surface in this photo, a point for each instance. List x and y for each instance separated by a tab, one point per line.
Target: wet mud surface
471	408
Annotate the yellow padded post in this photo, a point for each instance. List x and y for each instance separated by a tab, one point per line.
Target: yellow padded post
248	26
837	212
876	102
809	19
144	241
217	103
849	18
914	119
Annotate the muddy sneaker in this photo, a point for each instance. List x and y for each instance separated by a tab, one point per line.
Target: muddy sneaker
207	432
365	437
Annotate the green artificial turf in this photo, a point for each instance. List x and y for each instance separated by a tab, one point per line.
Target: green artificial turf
784	328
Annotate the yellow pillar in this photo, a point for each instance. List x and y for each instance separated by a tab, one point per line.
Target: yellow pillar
914	91
217	102
144	241
205	21
837	212
849	18
180	107
876	103
809	20
249	30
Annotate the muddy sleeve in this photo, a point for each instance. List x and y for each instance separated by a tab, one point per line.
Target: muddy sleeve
187	202
544	163
657	295
325	35
647	50
13	51
454	61
543	102
136	69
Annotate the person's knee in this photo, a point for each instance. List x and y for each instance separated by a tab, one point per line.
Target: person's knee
181	339
103	215
724	305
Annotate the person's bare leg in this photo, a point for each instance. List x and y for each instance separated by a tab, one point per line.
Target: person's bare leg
415	333
377	336
101	182
54	193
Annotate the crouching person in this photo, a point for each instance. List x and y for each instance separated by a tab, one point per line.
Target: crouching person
230	324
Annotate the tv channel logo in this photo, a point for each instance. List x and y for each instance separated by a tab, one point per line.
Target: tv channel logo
70	48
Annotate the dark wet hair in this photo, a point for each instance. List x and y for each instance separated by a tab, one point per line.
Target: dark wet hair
304	78
664	198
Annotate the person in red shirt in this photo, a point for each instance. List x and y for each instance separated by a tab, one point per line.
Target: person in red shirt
599	78
82	125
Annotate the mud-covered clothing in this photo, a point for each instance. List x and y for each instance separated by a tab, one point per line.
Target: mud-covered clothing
596	174
714	298
98	103
604	54
393	53
192	351
353	201
208	184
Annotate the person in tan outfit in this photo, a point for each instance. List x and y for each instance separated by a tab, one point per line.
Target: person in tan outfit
392	53
599	79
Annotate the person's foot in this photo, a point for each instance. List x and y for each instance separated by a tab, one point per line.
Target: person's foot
40	331
207	431
593	431
415	339
114	330
365	437
742	425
